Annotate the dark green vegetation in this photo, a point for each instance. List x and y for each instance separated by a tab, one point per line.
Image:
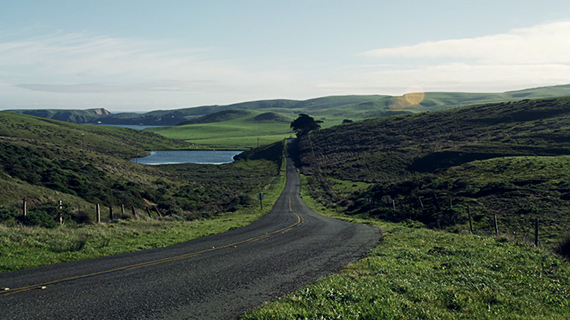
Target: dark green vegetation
45	161
305	124
508	159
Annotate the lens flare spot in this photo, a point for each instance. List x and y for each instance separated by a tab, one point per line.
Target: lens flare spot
398	104
415	95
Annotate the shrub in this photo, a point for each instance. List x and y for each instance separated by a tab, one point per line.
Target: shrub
563	247
7	216
38	218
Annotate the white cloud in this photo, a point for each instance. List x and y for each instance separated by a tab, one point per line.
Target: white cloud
69	59
542	44
452	77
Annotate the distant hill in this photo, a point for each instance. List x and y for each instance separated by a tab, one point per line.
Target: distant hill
234	129
74	116
333	109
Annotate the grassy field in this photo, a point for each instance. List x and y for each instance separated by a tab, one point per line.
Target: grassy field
416	273
240	131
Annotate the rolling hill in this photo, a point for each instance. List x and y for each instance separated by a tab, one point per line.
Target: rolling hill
509	159
232	129
333	109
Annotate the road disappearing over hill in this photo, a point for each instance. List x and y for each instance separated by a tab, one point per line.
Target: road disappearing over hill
216	277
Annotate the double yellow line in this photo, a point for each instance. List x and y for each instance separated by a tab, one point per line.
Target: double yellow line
8	292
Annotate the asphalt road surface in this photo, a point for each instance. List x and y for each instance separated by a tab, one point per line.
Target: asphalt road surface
216	277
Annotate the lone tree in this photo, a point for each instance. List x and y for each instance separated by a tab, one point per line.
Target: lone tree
305	124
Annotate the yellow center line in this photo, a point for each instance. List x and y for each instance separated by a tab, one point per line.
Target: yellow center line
158	261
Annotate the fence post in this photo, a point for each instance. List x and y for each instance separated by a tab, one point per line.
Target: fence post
134	212
496	226
111	212
98	210
24	207
59	213
470	219
536	232
123	209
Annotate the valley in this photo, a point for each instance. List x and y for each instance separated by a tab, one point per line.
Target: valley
459	185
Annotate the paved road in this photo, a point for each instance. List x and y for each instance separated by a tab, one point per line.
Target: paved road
216	277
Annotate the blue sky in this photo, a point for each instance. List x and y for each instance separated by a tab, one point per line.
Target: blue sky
145	55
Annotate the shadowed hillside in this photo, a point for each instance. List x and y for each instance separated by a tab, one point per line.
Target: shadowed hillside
509	159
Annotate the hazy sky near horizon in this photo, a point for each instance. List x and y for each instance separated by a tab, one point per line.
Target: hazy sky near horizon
142	55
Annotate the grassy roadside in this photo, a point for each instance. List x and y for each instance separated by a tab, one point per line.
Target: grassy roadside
416	273
27	247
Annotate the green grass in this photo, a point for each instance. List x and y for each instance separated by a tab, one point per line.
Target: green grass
240	132
424	274
417	273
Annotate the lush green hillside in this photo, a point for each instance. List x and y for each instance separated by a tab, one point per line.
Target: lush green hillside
507	159
232	129
45	161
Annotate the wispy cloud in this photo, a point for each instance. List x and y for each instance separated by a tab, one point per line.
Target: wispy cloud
77	56
521	58
547	43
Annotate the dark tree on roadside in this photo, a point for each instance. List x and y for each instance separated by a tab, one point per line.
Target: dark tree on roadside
305	124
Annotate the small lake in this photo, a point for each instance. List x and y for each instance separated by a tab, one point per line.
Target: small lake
130	126
188	156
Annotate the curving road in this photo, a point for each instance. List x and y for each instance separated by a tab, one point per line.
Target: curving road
217	277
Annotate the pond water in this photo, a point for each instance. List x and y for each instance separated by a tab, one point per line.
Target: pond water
188	156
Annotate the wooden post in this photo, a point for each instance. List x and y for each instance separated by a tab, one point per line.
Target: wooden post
470	219
436	202
111	212
59	213
496	226
98	211
123	209
536	232
134	212
24	207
